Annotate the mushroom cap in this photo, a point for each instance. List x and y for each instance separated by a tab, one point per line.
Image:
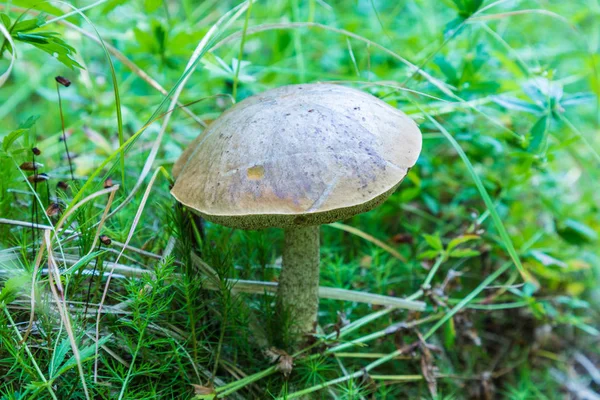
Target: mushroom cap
297	155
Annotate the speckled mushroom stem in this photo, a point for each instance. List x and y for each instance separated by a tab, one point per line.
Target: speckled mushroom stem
298	293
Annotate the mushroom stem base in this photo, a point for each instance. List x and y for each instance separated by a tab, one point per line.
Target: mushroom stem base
298	292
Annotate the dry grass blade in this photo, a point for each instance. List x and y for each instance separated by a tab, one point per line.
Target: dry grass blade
58	294
136	220
36	268
366	236
111	198
259	287
71	210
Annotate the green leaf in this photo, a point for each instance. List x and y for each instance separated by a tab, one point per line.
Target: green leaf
152	5
39	6
431	203
573	303
429	254
29	122
52	44
446	68
112	4
577	98
539	136
58	357
83	261
434	241
5	19
452	26
28	25
11	137
12	287
460	240
466	8
16	134
462	253
449	334
513	103
85	354
576	232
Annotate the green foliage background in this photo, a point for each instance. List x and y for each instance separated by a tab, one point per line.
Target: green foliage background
495	229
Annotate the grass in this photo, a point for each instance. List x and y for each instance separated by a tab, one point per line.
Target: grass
489	247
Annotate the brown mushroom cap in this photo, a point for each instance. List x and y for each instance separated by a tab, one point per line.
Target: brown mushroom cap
297	155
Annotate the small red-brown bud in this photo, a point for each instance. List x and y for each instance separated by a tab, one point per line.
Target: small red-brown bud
105	240
53	209
30	166
36	151
62	185
36	178
63	81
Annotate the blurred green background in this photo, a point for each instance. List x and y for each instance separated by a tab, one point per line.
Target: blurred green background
506	188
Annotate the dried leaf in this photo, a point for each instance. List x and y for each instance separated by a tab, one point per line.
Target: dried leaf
406	238
428	369
285	362
200	390
366	261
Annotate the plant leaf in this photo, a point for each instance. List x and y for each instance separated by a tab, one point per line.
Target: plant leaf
434	241
576	232
12	287
460	240
539	136
51	43
461	253
513	103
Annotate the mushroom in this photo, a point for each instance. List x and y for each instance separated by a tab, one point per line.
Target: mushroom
297	157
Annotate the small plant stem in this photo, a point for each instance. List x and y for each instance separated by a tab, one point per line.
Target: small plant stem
433	270
298	291
33	210
87	297
382	333
345	378
467	299
64	135
35	365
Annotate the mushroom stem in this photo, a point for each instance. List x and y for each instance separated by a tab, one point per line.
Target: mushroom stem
298	292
